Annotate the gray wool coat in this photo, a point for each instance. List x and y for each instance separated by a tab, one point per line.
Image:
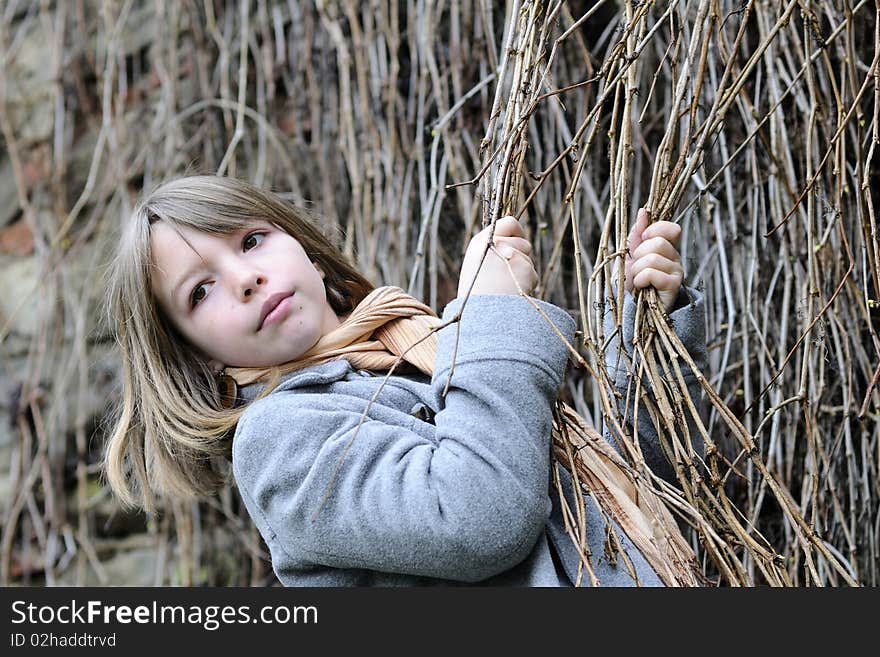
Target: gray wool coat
426	490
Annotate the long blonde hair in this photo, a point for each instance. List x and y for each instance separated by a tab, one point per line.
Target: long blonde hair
171	435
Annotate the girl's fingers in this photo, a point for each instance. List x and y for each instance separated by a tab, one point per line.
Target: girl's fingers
509	227
667	285
657	262
519	243
506	252
506	228
666	229
661	280
653	258
519	265
658	245
634	239
638	228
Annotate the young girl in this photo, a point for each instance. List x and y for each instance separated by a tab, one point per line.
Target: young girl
245	334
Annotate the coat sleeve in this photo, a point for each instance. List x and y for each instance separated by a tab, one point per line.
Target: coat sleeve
466	505
687	319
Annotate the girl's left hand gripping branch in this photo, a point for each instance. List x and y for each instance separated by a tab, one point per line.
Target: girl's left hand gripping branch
493	275
653	258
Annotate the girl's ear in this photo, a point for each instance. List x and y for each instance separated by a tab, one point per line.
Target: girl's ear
318	267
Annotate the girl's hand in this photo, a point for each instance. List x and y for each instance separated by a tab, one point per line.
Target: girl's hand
510	247
653	258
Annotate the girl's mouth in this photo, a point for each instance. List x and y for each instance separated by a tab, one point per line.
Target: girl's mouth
274	308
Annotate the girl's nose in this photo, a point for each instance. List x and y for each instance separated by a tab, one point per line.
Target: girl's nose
250	284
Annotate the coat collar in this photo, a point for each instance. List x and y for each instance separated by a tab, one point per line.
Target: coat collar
322	374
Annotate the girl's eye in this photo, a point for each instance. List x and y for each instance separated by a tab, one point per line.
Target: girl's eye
198	294
251	240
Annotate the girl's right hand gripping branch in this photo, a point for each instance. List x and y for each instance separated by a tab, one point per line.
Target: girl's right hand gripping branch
509	247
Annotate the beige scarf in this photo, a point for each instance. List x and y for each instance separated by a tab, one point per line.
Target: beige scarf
389	325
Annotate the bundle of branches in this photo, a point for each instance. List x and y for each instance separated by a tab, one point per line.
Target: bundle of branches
754	126
702	93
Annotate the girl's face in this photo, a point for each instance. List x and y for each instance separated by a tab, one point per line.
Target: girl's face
251	298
